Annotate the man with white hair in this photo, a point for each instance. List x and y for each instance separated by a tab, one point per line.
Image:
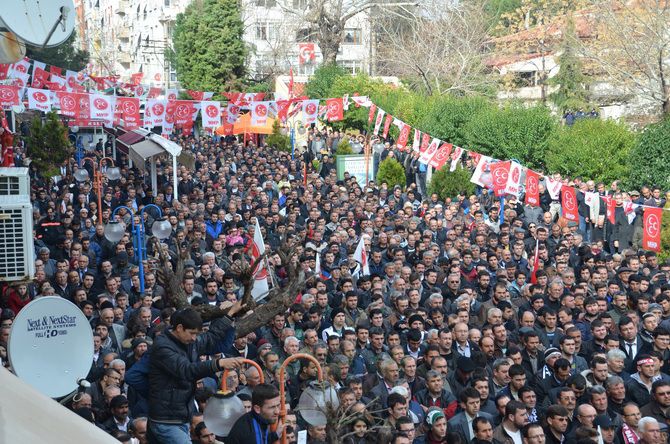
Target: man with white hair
649	431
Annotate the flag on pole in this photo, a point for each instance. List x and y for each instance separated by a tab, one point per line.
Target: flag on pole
261	287
536	262
361	256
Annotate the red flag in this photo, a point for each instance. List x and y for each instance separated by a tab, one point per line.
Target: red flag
475	157
4	69
425	141
569	203
282	109
651	236
532	188
610	209
69	104
371	113
290	83
130	110
499	176
387	125
306	53
183	112
536	262
441	156
404	136
154	92
9	95
197	95
40	77
335	109
136	78
56	70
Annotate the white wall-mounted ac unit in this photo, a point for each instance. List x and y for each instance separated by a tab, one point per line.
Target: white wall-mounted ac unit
14	182
17	245
17	251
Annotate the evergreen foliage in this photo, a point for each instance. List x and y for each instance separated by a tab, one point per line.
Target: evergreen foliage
391	172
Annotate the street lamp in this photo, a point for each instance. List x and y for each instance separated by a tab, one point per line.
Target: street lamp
311	403
161	228
224	408
112	173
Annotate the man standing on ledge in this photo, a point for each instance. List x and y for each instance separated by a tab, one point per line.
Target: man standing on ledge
174	368
265	407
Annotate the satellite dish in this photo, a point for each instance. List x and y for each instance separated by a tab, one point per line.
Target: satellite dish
51	345
20	108
39	23
301	128
12	49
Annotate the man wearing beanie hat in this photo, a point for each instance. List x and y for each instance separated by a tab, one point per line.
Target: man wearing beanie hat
436	426
338	323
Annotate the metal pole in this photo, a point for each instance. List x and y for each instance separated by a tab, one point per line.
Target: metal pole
292	143
140	252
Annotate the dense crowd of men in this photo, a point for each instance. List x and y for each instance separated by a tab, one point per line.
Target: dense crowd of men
453	336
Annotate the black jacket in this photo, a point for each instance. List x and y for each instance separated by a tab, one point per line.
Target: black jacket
243	431
174	369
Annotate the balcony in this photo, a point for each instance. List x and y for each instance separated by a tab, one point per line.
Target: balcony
123	33
124	58
122	7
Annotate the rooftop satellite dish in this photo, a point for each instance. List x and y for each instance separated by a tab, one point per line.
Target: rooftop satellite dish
38	23
51	345
12	49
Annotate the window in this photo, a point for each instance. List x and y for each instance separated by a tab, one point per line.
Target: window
299	4
166	2
353	66
266	3
353	36
524	79
267	31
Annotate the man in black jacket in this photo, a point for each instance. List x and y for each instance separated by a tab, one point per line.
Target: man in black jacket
174	369
265	407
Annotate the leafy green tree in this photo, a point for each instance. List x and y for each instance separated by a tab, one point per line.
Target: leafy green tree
448	117
65	56
571	92
48	143
391	172
209	52
514	132
344	148
592	148
362	85
277	139
446	184
650	157
320	83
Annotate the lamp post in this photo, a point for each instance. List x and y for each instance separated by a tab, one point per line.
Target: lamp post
224	408
112	173
311	401
161	229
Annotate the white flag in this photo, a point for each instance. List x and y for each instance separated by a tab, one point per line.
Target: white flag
378	122
455	158
482	167
361	256
514	180
261	287
39	99
211	114
310	110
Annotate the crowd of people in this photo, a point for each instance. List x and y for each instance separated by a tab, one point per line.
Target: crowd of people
453	335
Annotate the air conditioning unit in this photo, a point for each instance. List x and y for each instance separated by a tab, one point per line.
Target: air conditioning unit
17	254
17	246
14	182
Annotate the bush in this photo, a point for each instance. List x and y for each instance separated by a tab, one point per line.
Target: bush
448	117
665	235
343	148
445	184
48	143
391	172
592	148
650	157
277	139
513	132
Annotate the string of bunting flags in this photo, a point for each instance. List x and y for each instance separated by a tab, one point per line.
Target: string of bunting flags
142	106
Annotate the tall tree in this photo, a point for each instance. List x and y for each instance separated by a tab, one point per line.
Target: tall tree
209	52
439	48
66	55
571	92
631	49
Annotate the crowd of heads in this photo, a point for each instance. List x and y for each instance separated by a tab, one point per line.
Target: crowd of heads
456	333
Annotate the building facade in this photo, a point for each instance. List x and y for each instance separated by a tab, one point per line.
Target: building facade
125	37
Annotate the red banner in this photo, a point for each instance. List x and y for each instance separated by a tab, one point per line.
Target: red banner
404	136
387	125
334	109
532	188
183	112
56	70
130	110
499	176
441	156
40	78
569	203
197	95
610	208
9	95
425	141
282	109
651	236
136	78
371	113
69	104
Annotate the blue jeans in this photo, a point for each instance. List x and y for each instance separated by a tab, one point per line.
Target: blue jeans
161	433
